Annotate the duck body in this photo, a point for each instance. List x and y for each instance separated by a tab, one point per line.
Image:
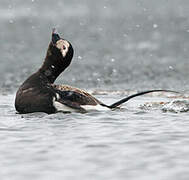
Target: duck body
36	94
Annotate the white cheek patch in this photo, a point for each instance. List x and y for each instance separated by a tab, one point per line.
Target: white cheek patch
63	45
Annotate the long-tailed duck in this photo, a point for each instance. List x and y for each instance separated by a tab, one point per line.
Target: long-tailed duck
39	94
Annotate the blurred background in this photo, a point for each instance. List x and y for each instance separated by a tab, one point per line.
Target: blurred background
119	45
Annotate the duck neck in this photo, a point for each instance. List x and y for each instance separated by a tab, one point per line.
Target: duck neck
50	70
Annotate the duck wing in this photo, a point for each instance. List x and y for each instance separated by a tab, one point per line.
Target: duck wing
73	98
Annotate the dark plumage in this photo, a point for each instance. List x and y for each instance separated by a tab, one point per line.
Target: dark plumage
39	94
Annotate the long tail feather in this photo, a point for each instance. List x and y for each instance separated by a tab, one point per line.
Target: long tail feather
116	104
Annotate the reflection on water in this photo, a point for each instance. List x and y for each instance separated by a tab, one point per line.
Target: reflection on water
118	45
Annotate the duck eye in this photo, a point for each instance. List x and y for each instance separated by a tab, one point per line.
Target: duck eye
64	47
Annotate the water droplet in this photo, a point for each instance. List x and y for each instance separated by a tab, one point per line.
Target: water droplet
114	71
138	25
79	57
81	23
11	21
105	7
10	6
144	9
112	59
100	29
171	67
95	74
155	26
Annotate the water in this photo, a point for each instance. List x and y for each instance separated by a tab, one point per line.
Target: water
128	143
119	45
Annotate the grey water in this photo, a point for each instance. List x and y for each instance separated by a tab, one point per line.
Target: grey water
120	47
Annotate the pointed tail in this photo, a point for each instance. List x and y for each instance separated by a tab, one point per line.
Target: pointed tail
116	104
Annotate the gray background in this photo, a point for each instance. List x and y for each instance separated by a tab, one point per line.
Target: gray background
118	44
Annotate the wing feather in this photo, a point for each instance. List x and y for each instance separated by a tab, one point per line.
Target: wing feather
76	95
74	98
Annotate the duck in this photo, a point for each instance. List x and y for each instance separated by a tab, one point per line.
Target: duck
38	93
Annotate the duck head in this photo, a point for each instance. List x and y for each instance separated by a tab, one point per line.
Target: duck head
58	57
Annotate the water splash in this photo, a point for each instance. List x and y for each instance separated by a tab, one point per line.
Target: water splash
177	106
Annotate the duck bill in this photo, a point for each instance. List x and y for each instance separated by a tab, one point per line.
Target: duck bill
55	36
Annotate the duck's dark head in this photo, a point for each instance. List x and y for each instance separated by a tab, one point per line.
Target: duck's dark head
58	58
